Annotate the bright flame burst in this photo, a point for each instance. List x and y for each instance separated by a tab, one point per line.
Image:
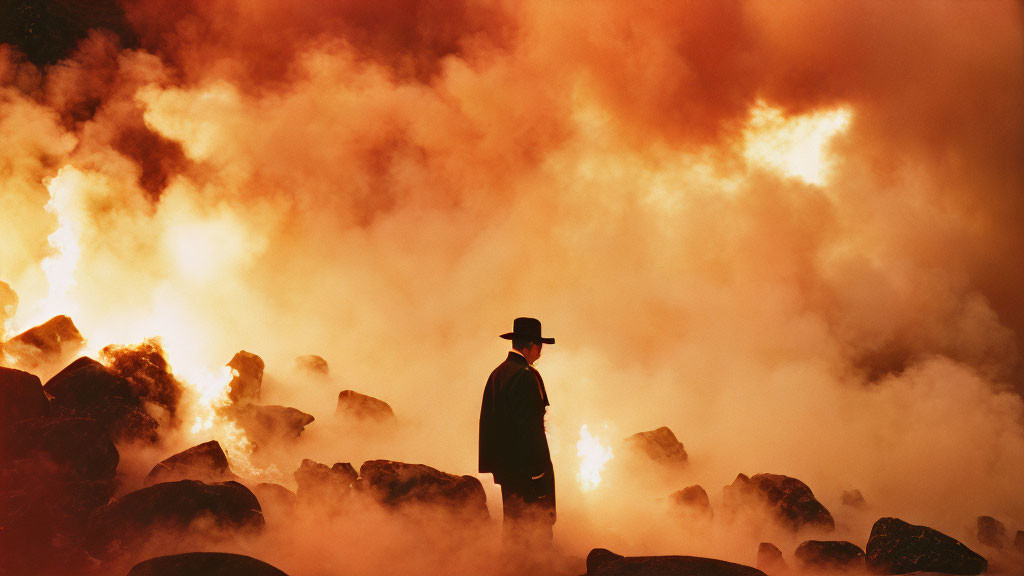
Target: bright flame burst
60	267
593	457
795	146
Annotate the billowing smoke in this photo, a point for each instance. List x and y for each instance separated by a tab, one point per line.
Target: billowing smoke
389	185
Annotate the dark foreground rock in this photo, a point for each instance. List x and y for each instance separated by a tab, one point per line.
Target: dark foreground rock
88	389
320	483
48	342
268	425
896	547
397	484
830	555
148	373
204	564
362	408
206	462
991	532
790	500
601	562
692	501
769	559
79	447
175	506
659	445
248	377
21	397
312	364
1018	541
54	472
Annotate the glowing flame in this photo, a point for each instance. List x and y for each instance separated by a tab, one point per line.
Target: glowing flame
795	146
593	457
60	267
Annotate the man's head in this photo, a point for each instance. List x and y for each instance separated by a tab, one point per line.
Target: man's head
526	338
529	349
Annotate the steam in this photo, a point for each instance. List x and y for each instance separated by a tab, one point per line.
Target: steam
389	187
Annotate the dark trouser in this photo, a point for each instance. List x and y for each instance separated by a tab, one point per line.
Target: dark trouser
529	511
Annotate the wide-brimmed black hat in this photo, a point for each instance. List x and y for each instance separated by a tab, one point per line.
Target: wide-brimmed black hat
527	329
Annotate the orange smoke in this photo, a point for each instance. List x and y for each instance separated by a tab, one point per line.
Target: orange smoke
787	231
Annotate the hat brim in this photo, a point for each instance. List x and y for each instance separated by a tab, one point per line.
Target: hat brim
511	335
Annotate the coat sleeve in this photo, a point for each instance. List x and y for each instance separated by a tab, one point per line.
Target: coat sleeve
526	422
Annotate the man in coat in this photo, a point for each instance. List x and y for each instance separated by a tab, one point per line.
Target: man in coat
513	446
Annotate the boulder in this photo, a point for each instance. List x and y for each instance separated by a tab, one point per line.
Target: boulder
830	556
769	559
88	389
204	564
659	445
1018	541
853	499
206	462
397	483
312	364
277	501
247	369
601	562
21	397
896	547
73	447
147	371
45	343
991	532
318	482
53	473
267	425
360	407
788	499
692	501
176	506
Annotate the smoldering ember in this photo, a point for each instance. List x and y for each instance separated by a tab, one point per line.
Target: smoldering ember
257	261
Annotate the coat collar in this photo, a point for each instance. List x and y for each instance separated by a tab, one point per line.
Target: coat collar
517	358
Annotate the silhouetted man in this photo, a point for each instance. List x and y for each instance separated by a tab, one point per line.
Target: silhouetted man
513	445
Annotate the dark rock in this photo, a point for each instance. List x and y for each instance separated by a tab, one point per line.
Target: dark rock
769	559
692	501
1018	541
830	555
77	447
21	397
853	499
790	500
991	532
276	500
601	562
206	462
45	343
88	389
896	547
267	425
204	564
312	364
53	473
318	482
397	483
360	407
247	369
147	371
659	445
127	521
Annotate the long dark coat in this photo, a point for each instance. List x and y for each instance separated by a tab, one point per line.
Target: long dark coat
513	445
